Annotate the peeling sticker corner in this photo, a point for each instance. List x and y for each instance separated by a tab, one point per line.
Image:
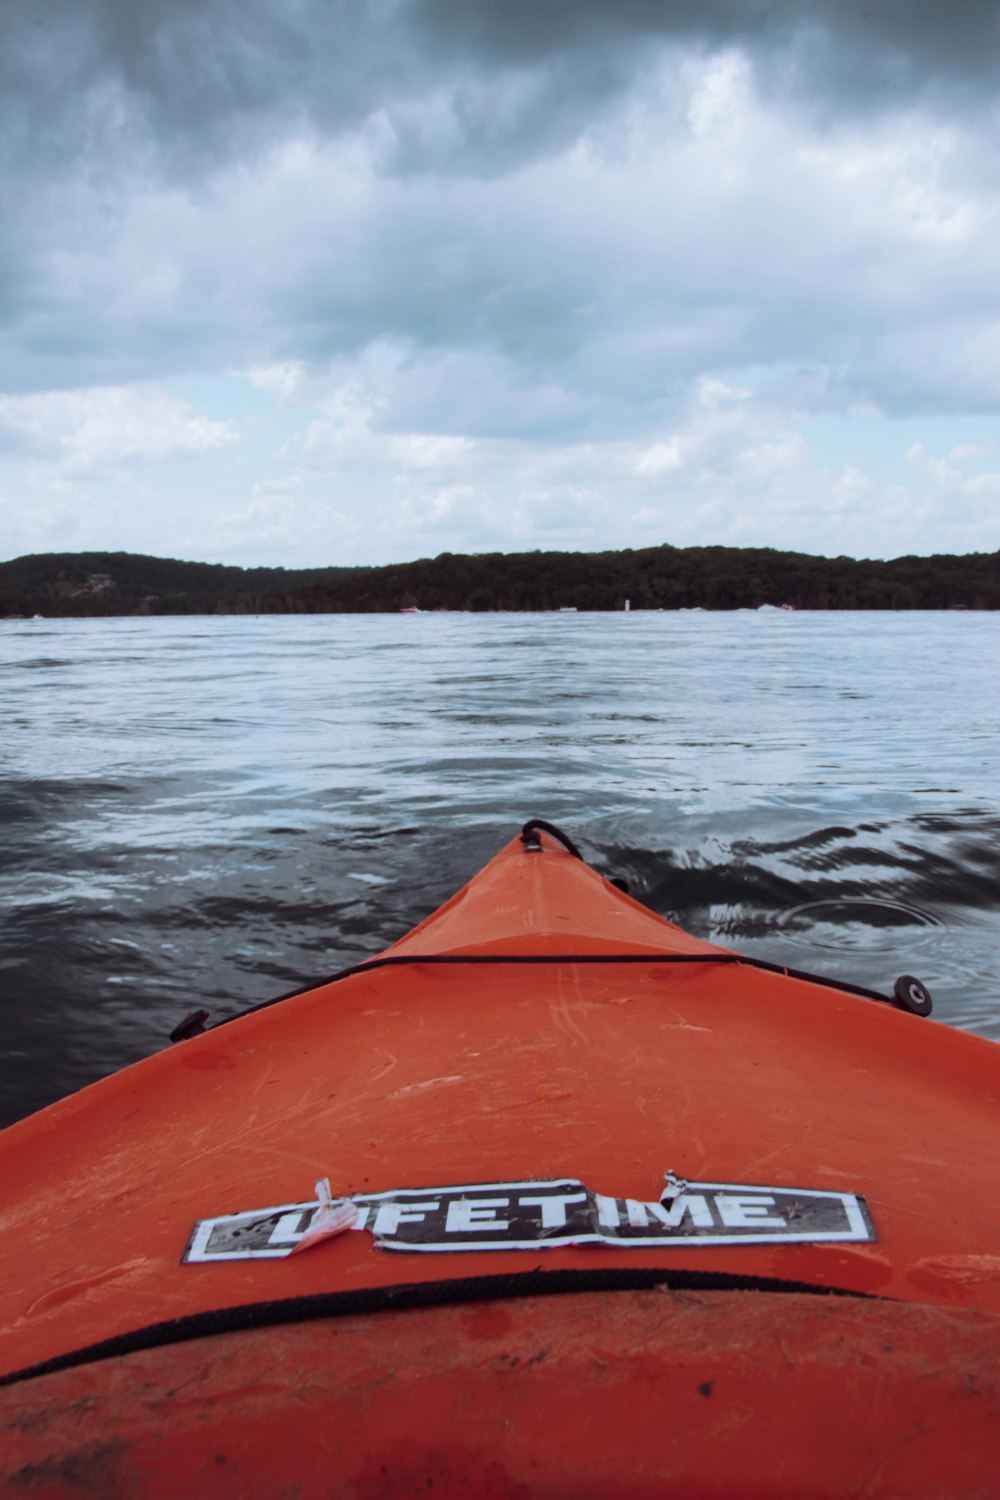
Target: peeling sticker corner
332	1216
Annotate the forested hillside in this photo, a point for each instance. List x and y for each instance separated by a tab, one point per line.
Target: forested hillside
124	583
120	583
653	578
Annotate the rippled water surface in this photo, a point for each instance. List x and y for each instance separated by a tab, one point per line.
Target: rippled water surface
216	810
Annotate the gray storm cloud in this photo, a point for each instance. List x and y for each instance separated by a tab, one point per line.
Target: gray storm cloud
520	221
190	85
110	105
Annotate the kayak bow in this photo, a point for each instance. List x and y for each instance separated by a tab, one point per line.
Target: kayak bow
550	1197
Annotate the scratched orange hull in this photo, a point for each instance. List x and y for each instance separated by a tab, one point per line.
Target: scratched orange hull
809	1304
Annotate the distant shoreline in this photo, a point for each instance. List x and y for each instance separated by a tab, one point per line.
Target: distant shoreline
109	584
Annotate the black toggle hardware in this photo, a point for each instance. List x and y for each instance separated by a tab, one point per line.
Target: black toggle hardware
909	994
193	1024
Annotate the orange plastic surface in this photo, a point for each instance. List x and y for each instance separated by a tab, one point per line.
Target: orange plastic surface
423	1075
640	1394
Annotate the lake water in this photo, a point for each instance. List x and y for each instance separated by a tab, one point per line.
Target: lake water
213	811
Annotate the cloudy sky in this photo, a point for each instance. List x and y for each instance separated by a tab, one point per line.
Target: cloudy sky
354	281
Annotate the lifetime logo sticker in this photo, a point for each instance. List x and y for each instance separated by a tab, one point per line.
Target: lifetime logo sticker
538	1215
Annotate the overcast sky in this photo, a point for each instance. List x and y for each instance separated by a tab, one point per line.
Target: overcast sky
355	281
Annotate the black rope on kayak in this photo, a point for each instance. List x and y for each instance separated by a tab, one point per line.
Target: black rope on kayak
533	844
534	1283
906	988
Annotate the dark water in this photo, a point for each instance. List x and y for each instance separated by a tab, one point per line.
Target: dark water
218	810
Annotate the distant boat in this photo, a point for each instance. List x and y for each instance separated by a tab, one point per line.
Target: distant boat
774	609
411	609
567	609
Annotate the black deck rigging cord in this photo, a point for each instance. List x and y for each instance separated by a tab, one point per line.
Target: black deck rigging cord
909	994
533	1283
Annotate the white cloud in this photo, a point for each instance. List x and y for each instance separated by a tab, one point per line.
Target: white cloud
660	458
429	451
283	378
107	427
721	100
970	453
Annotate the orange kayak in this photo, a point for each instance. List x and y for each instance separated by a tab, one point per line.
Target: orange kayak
550	1198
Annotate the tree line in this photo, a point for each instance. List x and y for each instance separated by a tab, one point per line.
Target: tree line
665	577
128	583
651	578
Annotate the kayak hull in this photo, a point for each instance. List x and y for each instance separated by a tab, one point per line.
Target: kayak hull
700	1395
